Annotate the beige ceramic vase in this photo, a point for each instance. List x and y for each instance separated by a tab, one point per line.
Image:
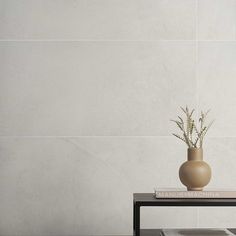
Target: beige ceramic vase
195	173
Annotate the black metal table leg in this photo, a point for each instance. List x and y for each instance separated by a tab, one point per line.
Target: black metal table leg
136	219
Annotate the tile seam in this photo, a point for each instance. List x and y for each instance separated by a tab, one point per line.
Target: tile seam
197	79
72	40
102	136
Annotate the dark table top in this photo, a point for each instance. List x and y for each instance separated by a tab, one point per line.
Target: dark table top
148	199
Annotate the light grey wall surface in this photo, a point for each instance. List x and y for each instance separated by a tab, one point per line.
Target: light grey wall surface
87	90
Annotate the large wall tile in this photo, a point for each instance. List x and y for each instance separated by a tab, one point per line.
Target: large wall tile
103	19
217	71
84	186
217	19
168	217
220	154
220	217
94	88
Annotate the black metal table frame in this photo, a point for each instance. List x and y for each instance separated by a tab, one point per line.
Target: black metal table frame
148	199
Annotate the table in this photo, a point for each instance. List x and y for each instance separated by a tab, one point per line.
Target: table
148	199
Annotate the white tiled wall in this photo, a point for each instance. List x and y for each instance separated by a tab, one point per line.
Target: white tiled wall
87	89
98	19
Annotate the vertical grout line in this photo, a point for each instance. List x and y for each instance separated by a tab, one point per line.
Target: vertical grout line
196	76
198	217
234	23
196	57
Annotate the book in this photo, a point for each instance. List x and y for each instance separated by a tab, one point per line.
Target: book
196	232
182	193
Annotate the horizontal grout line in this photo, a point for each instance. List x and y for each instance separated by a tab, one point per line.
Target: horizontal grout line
110	40
102	136
108	235
85	136
68	40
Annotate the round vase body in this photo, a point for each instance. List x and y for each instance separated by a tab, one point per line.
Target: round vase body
195	173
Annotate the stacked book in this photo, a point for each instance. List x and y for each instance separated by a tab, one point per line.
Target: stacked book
182	193
196	232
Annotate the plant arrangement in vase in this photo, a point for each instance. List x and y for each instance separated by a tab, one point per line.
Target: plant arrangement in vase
194	173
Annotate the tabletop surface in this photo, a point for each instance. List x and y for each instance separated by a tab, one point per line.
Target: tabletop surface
149	199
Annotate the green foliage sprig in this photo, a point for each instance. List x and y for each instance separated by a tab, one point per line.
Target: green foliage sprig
192	133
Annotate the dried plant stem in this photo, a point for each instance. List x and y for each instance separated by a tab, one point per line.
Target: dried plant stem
191	135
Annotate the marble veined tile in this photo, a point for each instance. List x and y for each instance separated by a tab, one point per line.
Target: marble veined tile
62	186
220	217
94	88
216	19
97	20
217	84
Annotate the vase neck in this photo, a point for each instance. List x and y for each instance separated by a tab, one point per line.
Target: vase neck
195	154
